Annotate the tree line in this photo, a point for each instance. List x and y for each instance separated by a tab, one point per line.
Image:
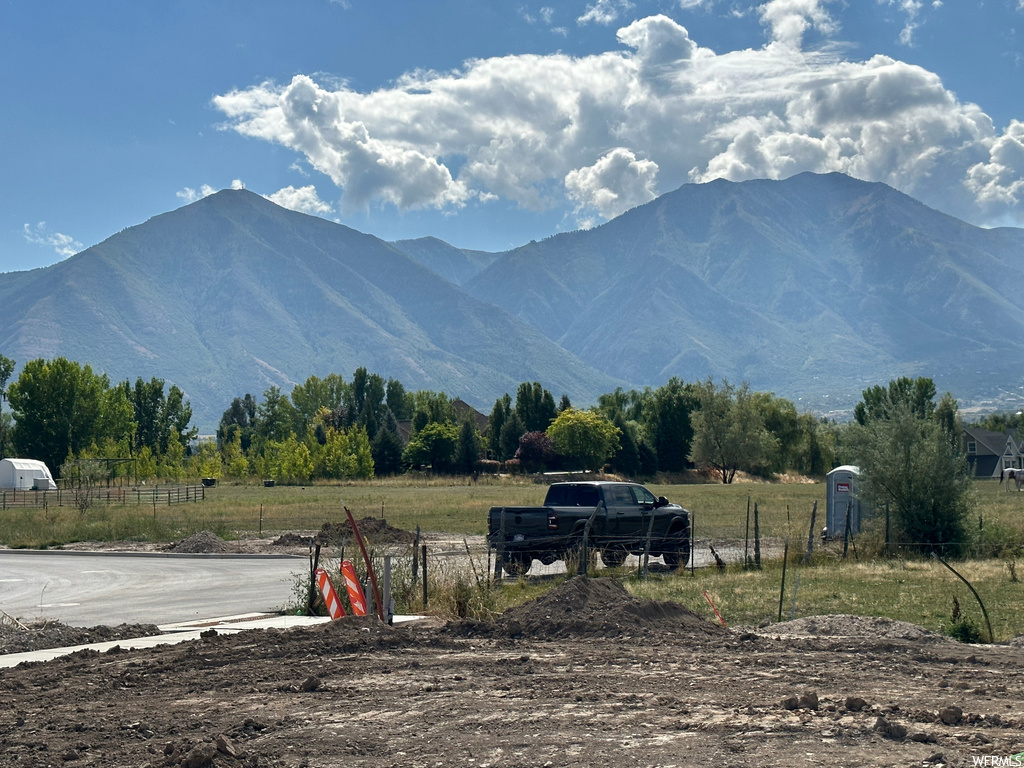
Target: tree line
333	428
62	413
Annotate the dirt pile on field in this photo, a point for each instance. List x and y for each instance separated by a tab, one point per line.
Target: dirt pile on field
587	607
845	625
38	636
200	543
372	529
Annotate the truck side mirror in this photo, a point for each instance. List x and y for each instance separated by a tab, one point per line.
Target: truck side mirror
662	502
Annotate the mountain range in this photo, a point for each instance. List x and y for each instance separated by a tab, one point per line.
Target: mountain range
814	287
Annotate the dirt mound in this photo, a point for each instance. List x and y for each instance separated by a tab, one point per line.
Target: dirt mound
372	529
199	543
845	625
587	607
38	636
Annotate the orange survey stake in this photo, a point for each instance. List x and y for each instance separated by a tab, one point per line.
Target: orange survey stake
355	591
334	607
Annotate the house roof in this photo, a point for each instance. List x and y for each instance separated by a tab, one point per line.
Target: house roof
463	410
993	442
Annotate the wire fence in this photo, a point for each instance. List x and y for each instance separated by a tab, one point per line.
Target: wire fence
13	498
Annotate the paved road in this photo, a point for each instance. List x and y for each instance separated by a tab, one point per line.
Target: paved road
89	589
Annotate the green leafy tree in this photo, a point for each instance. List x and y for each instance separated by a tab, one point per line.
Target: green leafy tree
585	438
57	407
275	417
469	449
815	450
207	461
434	446
783	423
916	394
907	459
729	432
171	466
387	449
511	432
294	461
667	420
500	413
397	399
240	418
626	460
535	406
314	394
6	371
235	461
434	407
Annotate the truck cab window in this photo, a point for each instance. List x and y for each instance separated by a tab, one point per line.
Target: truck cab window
584	496
619	496
643	496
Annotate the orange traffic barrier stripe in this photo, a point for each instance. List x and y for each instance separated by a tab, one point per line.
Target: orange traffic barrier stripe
355	590
334	607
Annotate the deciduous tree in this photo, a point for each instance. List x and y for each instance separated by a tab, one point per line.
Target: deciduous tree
584	438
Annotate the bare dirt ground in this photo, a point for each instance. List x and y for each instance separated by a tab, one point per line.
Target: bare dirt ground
585	676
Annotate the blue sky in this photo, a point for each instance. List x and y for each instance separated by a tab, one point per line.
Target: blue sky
490	124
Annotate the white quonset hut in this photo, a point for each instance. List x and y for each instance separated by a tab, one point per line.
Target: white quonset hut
841	500
26	475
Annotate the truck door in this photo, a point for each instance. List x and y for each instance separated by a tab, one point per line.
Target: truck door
645	505
623	513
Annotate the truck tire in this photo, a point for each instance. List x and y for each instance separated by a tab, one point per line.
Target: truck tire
613	557
676	549
517	563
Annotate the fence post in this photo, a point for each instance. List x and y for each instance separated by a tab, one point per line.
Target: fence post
757	539
693	540
386	597
416	557
887	542
810	534
499	556
647	545
423	555
846	532
746	539
782	590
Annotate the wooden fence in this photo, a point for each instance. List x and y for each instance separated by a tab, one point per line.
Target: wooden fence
167	495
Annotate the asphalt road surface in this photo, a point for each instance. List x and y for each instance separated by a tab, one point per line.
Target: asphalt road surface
90	589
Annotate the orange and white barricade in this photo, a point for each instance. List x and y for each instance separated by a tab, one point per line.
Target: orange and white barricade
334	607
355	590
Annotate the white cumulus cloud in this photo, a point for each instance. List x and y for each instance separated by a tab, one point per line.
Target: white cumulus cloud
63	245
597	134
615	183
304	199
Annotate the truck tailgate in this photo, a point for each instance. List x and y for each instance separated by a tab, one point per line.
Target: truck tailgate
520	522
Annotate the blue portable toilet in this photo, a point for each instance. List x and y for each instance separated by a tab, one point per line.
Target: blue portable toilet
841	499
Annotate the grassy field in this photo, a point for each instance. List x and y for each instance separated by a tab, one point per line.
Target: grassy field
914	590
456	506
910	589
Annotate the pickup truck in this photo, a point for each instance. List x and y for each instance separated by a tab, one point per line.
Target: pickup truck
619	515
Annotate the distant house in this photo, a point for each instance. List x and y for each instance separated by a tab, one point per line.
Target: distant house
463	411
466	411
989	453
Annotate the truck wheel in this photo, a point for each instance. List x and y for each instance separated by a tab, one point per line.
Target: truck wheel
517	563
676	552
613	557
